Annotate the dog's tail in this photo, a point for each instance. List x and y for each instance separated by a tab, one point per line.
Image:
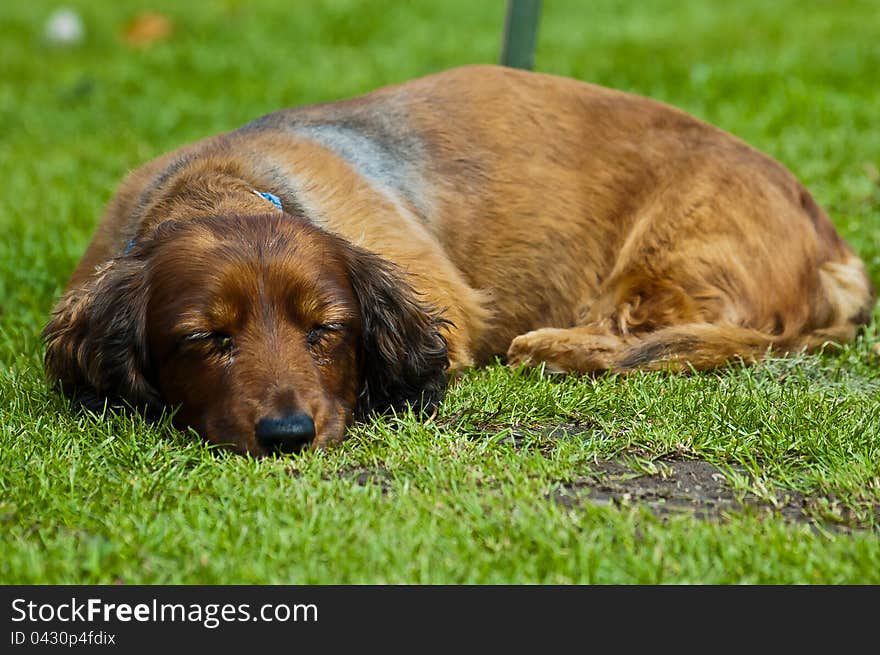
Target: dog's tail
846	302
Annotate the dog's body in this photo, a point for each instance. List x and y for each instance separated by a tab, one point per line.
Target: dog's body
488	210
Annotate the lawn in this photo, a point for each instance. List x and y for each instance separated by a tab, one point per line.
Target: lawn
521	477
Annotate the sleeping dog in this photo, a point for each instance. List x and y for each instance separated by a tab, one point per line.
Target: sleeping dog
279	281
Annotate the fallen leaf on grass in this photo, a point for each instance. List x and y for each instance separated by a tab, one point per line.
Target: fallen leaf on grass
146	29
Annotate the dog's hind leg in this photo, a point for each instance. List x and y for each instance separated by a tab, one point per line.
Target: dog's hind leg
653	325
697	346
696	340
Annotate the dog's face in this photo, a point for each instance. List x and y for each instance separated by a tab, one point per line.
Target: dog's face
255	337
264	332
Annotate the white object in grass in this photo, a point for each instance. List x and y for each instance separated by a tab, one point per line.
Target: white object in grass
64	27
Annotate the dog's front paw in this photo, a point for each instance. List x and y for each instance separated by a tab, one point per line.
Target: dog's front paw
546	346
564	350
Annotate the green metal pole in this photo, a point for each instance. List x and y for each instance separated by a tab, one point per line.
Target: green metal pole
520	33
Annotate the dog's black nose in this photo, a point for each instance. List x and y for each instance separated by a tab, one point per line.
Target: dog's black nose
289	433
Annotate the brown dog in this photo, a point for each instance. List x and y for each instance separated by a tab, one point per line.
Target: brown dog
435	225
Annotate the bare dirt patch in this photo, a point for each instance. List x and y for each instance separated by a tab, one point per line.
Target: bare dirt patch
690	486
364	476
678	486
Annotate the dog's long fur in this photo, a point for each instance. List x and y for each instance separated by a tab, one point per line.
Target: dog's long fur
432	226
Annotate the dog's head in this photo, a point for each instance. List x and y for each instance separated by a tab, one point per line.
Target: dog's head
265	332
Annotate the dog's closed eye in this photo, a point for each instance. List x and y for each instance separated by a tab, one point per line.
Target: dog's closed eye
323	332
218	342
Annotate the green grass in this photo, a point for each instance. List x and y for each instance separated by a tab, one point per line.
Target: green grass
468	496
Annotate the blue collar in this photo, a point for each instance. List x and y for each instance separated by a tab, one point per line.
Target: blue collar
271	197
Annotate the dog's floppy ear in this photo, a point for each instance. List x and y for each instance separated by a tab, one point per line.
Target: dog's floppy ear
95	341
403	353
